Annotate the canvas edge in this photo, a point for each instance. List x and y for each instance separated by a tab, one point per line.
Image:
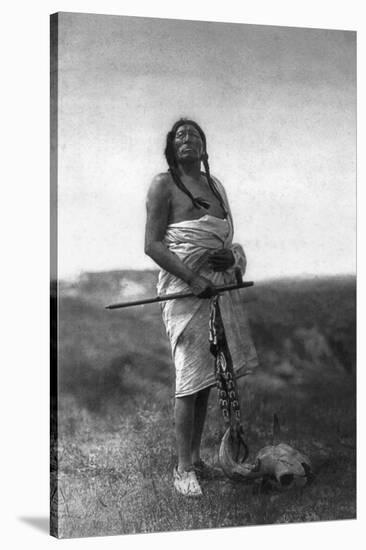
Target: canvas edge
53	426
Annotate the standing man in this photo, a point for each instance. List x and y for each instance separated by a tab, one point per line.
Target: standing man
189	232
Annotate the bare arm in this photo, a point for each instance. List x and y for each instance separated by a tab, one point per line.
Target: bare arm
157	209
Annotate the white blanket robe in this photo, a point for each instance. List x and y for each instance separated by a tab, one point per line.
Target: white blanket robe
187	320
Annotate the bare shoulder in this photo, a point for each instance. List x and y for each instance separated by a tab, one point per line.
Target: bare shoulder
217	181
160	186
219	185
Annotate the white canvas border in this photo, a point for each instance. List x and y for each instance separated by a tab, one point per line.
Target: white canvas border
25	265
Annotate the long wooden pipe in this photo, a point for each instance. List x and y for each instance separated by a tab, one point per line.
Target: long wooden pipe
177	296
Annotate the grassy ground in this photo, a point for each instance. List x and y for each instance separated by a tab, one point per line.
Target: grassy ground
116	448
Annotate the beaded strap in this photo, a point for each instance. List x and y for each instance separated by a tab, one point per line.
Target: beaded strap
224	375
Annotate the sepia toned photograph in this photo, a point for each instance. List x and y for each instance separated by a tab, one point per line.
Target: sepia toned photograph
203	275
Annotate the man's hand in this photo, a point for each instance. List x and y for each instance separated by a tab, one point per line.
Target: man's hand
221	260
202	287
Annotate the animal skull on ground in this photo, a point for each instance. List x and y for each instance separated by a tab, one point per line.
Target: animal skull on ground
280	465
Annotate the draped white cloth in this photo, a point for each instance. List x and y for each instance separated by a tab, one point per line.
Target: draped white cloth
187	320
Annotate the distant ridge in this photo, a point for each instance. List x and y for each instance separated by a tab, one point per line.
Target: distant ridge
307	277
106	286
103	287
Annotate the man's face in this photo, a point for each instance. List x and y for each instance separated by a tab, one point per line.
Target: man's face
188	143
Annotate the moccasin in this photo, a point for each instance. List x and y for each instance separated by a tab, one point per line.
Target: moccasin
186	483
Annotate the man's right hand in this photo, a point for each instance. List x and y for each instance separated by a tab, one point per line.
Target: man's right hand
202	287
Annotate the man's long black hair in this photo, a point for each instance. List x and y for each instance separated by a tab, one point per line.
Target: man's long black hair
198	202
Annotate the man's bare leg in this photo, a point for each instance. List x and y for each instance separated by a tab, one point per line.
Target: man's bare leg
184	423
200	411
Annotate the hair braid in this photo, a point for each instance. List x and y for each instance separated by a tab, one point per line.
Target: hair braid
198	202
211	183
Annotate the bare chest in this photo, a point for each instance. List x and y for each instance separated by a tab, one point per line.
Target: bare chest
182	208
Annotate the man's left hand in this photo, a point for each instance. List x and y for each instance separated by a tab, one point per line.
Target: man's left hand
221	260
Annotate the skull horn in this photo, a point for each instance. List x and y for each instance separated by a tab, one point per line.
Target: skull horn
282	464
235	470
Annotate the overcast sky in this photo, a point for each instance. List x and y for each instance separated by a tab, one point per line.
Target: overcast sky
278	108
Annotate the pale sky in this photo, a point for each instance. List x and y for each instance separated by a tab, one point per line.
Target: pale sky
277	104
